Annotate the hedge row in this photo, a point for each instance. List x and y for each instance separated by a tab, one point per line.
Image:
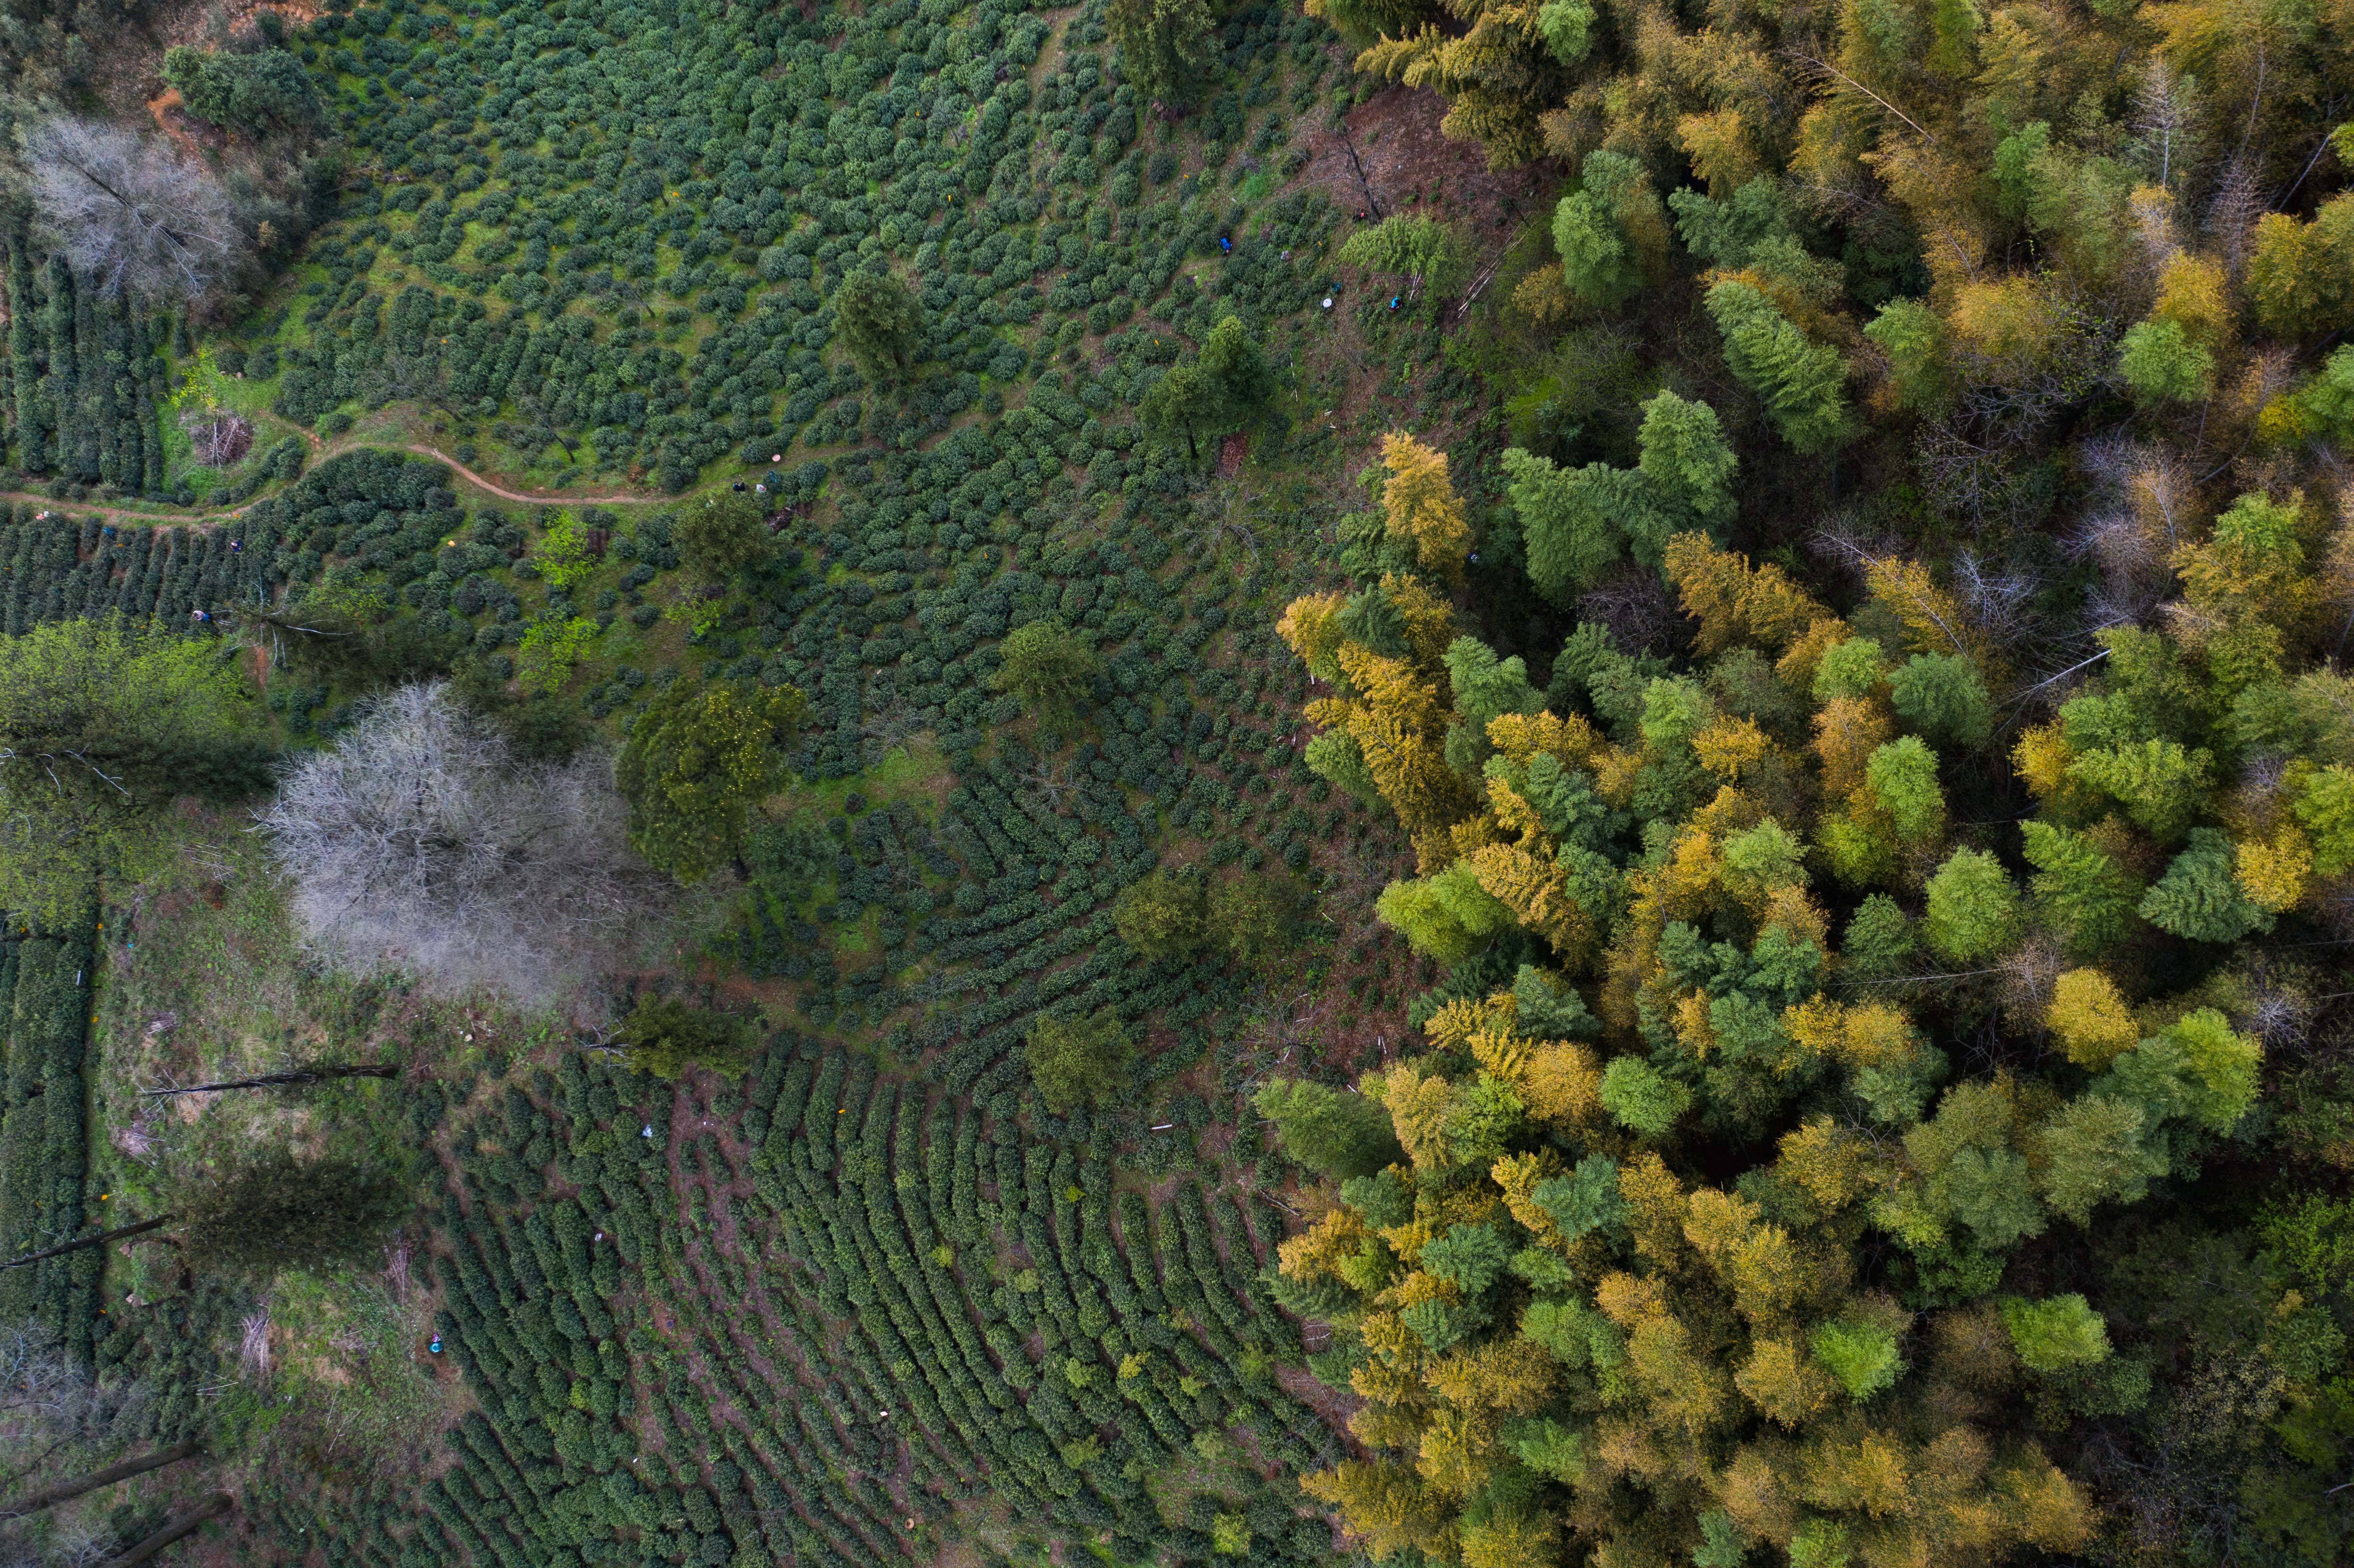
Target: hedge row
56	567
83	379
45	1001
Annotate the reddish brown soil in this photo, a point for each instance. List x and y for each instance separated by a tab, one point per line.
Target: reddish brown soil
1409	164
1402	161
194	136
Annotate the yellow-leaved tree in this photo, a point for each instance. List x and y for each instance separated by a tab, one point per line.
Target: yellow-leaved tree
1715	1230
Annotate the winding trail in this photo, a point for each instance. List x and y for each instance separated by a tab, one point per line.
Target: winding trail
321	453
476	480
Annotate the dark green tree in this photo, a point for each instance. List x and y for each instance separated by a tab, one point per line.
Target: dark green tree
254	93
1259	918
696	766
2200	899
1078	1061
1802	384
721	534
669	1038
352	640
1942	696
1577	521
102	723
281	1210
1601	229
2086	894
1184	401
1165	914
1048	667
1224	388
1233	361
1165	47
881	323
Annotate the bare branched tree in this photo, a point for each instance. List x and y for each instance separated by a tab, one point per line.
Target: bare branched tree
1639	611
2233	211
2152	507
421	843
2165	112
50	1406
888	726
1228	513
62	1445
217	438
128	212
1999	598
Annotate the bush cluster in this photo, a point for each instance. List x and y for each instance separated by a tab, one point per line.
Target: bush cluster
55	568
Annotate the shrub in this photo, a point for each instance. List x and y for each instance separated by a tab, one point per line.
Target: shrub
1413	245
723	535
1258	918
1048	667
2059	1334
1863	1356
1164	915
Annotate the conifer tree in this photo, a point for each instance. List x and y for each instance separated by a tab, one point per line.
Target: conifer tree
1048	667
667	1038
279	1211
1802	383
722	534
1971	906
1607	229
1164	45
881	321
1077	1061
698	765
1332	1131
1164	916
1419	503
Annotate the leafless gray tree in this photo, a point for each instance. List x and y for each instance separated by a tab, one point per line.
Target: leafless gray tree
217	438
2149	508
49	1407
421	843
57	1424
127	212
2166	110
2233	211
1638	611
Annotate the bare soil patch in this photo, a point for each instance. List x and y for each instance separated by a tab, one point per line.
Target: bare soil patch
1408	164
193	135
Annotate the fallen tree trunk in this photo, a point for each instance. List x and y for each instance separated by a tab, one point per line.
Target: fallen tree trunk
99	1240
281	1080
211	1508
67	1490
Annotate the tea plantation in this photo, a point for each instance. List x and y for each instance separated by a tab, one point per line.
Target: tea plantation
806	1323
876	1299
